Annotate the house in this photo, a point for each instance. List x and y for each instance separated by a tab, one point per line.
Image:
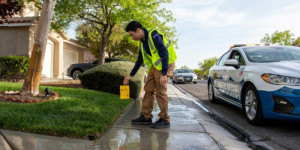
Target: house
17	38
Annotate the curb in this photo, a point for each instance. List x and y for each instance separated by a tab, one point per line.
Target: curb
232	128
11	144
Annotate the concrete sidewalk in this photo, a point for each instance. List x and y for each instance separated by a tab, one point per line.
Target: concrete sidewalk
191	129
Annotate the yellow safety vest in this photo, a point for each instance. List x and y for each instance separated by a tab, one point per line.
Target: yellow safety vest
155	59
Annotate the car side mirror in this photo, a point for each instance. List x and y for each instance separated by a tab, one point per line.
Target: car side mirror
232	62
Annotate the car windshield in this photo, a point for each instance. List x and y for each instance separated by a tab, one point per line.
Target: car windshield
184	71
272	54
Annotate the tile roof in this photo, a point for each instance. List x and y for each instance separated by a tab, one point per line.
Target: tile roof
19	20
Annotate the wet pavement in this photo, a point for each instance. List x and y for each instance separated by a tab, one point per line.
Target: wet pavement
4	144
30	141
191	129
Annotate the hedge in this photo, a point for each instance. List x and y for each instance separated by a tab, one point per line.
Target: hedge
108	78
13	67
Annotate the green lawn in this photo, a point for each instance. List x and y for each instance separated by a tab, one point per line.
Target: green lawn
76	113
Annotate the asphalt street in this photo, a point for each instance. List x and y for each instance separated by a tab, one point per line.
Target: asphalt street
276	134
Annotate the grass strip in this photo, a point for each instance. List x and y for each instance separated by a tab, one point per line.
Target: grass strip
76	113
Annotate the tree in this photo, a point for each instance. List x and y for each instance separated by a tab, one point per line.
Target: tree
32	80
120	44
127	49
281	38
197	71
184	67
105	15
8	8
296	42
206	65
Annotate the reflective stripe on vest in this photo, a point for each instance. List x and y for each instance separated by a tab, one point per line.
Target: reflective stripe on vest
151	46
154	59
169	43
144	52
157	62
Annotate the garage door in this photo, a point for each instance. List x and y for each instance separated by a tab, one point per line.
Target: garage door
70	57
47	71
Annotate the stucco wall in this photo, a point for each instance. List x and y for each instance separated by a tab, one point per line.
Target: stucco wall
14	41
58	54
20	40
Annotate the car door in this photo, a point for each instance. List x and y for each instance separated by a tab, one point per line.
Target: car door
235	77
218	75
91	65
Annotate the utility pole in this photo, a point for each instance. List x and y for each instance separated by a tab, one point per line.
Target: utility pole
32	80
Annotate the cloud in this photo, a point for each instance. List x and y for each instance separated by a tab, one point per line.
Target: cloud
206	14
285	18
208	28
197	3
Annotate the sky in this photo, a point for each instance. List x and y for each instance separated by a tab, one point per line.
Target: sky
207	28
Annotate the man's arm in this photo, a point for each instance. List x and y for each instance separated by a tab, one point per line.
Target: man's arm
162	51
136	67
163	54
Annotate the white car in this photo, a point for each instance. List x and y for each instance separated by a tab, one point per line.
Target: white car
264	81
184	76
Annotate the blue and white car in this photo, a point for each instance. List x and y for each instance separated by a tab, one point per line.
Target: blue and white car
264	81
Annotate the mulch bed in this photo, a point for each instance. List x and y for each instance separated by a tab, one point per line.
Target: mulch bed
17	97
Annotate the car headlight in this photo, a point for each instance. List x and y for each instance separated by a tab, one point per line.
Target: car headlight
280	79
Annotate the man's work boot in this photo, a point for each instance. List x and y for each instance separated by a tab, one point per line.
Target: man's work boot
160	123
141	120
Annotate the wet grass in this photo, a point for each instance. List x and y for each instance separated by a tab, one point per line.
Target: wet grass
76	113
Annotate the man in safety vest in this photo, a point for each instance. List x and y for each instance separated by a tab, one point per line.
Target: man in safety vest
158	54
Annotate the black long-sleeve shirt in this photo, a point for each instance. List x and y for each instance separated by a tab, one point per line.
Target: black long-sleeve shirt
162	52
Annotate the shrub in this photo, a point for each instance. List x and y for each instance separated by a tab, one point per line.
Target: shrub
108	78
13	67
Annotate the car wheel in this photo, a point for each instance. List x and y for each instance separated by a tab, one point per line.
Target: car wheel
76	73
252	106
211	93
195	82
173	80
